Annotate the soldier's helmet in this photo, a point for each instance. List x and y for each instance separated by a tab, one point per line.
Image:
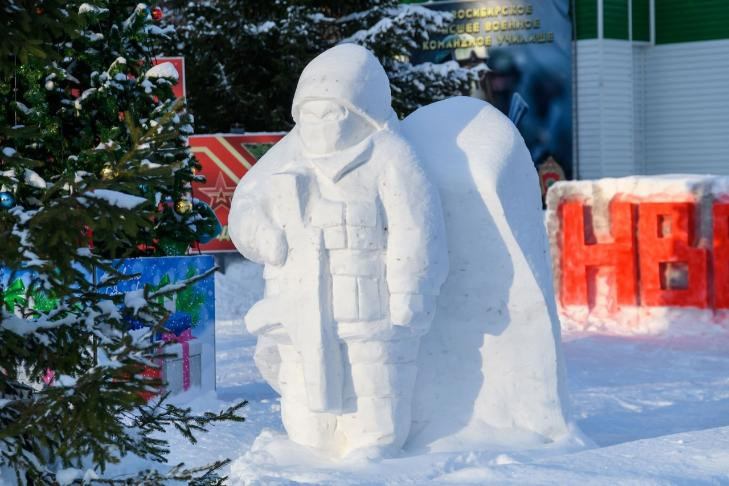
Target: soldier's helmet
353	77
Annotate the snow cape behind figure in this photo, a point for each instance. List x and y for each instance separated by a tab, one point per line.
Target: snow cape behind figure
490	370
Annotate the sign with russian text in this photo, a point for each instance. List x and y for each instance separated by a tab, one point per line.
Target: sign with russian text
225	159
641	254
524	50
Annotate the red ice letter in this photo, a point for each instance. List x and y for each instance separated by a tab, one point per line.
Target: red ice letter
672	271
721	255
579	256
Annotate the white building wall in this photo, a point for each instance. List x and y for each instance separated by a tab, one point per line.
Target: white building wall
647	109
687	108
618	130
586	86
605	103
640	51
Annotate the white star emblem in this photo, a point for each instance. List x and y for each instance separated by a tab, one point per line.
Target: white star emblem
220	194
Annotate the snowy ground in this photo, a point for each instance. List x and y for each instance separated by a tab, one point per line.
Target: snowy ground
657	411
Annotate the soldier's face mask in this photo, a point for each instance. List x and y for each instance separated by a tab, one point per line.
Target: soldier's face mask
327	127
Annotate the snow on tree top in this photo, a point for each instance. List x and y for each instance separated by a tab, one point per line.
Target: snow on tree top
33	179
115	198
262	28
140	9
88	8
163	70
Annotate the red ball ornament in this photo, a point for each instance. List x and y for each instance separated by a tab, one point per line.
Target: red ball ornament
121	116
157	14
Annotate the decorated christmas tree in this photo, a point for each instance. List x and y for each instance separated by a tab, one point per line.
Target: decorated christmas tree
94	167
245	57
102	98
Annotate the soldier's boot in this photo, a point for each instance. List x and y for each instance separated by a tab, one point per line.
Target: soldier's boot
313	429
378	398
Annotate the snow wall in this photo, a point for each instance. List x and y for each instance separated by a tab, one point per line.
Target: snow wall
641	255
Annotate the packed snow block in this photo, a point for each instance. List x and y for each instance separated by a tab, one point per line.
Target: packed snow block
352	238
641	255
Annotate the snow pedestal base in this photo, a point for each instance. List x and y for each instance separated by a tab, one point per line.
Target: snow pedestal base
641	255
274	459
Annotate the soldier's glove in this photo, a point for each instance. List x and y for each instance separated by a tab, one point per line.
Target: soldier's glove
412	311
272	245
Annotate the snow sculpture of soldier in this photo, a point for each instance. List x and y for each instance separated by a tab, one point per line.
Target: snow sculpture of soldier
357	218
352	236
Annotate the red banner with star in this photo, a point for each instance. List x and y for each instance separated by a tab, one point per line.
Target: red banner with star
225	159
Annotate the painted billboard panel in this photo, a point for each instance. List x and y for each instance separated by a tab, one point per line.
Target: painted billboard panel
225	158
190	322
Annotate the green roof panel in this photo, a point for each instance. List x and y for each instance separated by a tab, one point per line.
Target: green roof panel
615	19
641	20
585	15
689	21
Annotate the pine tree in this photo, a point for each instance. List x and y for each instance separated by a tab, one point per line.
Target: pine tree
248	78
92	103
394	31
29	29
93	162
